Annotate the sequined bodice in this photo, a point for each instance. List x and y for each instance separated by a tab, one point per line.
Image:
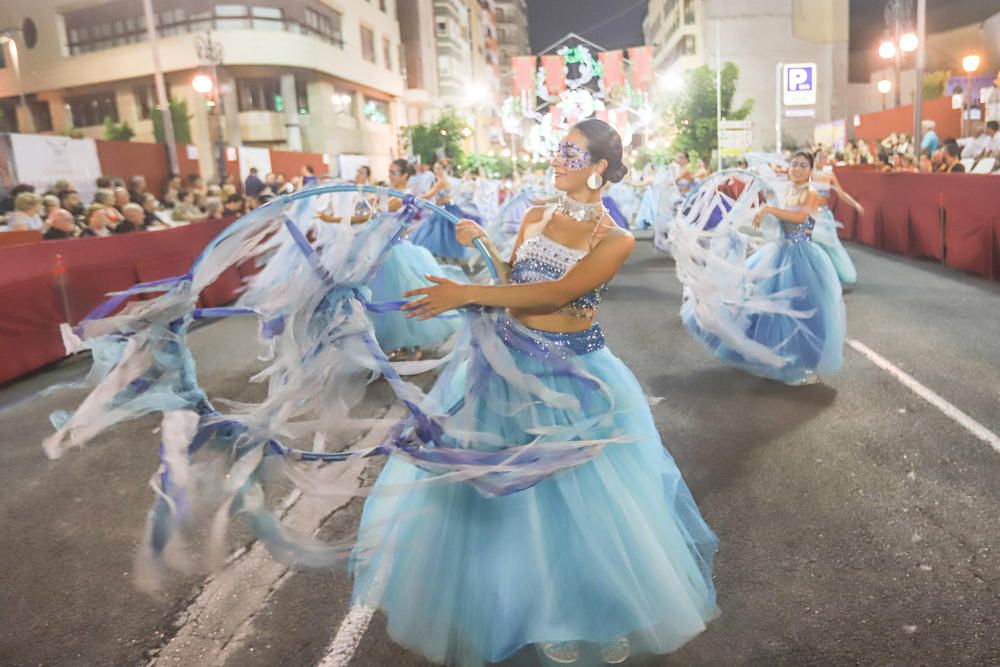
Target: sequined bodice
540	258
798	233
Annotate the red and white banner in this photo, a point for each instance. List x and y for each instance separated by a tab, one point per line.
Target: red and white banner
641	61
555	115
555	75
613	67
619	120
524	74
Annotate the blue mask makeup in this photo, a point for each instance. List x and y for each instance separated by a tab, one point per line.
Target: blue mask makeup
573	156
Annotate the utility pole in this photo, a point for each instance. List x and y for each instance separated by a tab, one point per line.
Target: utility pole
162	99
210	55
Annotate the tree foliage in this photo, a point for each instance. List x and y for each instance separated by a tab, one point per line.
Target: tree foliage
934	84
695	111
182	123
432	140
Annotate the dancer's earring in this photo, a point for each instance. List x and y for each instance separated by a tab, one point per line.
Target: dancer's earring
594	181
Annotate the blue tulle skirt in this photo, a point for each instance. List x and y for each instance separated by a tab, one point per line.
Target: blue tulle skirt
437	234
812	345
613	547
404	269
615	212
825	235
647	209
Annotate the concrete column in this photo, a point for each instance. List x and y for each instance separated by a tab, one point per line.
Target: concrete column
292	128
231	110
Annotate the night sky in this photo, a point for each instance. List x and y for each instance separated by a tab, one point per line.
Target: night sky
613	25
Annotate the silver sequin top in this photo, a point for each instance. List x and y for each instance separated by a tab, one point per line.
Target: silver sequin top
540	258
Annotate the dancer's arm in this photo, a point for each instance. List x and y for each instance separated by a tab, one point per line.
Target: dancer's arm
594	270
436	188
851	201
796	217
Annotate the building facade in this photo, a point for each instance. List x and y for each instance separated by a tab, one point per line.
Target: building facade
512	35
324	76
758	35
419	52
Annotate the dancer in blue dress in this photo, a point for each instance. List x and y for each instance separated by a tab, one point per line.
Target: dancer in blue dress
781	314
436	233
593	563
825	234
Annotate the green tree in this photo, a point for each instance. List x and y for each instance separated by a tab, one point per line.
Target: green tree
182	123
694	113
117	131
445	133
934	84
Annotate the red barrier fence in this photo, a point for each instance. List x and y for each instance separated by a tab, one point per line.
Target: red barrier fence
878	125
45	284
953	218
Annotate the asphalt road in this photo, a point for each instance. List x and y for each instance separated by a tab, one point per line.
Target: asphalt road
858	522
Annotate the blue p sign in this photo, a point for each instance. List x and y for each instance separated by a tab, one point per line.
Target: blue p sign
800	84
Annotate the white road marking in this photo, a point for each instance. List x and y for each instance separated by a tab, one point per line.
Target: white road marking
345	643
950	410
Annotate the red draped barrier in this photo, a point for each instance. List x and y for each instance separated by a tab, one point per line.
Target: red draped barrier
954	218
45	284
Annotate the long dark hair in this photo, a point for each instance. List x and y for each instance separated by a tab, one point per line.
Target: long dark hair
404	166
604	143
807	156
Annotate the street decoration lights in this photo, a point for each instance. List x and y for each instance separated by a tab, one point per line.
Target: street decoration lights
970	64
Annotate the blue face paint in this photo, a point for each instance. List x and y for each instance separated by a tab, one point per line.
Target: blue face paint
573	156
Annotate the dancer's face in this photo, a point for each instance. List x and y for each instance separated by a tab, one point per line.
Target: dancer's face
396	178
572	163
799	170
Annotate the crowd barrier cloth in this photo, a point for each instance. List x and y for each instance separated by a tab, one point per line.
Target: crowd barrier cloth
951	218
45	284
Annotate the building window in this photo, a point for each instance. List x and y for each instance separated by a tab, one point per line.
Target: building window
444	66
3	55
688	12
500	18
90	110
442	28
145	101
367	44
267	18
326	25
376	111
172	22
301	96
41	116
259	95
401	60
387	52
232	17
8	117
687	45
382	5
343	102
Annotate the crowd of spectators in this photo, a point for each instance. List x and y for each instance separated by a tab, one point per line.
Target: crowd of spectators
119	207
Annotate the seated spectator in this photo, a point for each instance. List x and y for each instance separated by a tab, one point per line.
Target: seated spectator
253	185
930	141
213	191
937	160
62	225
234	206
104	183
149	208
185	210
137	189
134	219
926	165
50	203
96	221
308	175
214	210
7	204
71	202
106	198
170	191
909	164
951	162
122	197
27	213
993	132
195	183
973	147
228	190
61	186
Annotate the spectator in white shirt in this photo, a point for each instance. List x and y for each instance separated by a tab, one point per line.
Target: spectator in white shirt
26	215
993	149
976	144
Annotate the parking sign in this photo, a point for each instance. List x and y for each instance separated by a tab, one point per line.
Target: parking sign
799	84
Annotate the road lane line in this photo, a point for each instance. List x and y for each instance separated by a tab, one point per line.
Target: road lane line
348	637
950	410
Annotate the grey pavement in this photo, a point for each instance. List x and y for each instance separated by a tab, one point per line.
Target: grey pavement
858	523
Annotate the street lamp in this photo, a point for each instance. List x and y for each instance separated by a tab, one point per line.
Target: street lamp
202	84
899	38
970	64
884	86
210	55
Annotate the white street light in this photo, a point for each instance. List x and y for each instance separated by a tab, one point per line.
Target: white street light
884	86
908	42
202	84
970	63
887	50
673	82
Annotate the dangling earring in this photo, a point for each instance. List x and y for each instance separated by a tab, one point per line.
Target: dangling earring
594	181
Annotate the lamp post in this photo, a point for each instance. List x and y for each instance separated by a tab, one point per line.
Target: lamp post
900	38
210	55
884	86
970	64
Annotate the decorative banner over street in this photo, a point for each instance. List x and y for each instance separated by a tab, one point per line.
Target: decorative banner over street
641	61
614	70
555	76
524	74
